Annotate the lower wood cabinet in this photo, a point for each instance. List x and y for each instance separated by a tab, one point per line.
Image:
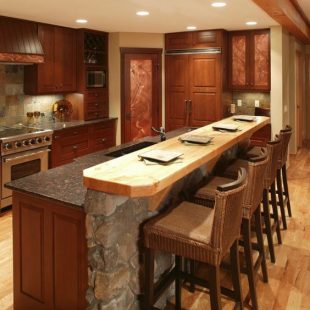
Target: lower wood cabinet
49	254
78	141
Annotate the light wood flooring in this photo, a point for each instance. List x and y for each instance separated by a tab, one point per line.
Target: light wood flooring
289	277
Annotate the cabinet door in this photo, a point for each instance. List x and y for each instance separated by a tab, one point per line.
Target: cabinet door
238	61
206	38
65	59
260	43
176	91
46	74
203	89
178	40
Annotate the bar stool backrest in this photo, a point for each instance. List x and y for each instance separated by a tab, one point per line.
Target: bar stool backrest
274	152
228	214
254	189
285	136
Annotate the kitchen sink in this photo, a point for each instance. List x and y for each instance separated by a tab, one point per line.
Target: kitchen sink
130	149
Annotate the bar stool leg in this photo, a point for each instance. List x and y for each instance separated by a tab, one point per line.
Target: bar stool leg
149	279
260	241
235	273
268	225
215	289
246	233
178	283
286	193
280	197
275	212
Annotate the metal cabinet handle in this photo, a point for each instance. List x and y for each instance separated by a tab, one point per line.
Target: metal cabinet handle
190	106
74	147
103	140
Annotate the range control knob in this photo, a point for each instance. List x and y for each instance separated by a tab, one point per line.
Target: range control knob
46	139
25	142
32	141
39	140
18	144
8	146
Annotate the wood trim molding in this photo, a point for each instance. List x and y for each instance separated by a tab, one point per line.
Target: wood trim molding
21	58
287	15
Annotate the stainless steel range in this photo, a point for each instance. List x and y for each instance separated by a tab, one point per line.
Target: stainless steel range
24	151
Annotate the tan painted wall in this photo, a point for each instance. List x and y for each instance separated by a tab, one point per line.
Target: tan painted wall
116	41
276	93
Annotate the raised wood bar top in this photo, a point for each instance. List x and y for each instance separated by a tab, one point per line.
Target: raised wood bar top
128	176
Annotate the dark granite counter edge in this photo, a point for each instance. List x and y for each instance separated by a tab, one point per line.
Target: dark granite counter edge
75	123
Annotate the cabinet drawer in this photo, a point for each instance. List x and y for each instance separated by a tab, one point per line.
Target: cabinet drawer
91	115
103	135
99	95
70	132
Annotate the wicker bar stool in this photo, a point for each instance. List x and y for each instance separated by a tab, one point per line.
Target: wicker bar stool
256	167
194	232
285	135
274	151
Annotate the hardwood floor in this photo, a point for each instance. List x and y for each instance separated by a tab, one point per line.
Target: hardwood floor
289	284
6	261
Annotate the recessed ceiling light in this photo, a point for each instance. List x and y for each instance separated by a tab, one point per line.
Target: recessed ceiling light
143	13
218	4
191	27
251	23
81	21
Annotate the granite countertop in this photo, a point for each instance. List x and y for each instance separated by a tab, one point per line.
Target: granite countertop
65	183
73	123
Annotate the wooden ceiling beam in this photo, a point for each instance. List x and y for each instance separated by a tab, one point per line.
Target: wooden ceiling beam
287	15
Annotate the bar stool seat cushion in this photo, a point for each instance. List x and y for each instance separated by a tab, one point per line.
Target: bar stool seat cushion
185	231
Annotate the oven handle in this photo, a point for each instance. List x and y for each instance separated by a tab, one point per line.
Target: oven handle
6	160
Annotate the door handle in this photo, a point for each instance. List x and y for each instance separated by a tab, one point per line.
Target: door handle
190	106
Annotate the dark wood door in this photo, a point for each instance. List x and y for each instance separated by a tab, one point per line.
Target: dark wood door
65	59
177	96
204	89
46	72
50	254
141	93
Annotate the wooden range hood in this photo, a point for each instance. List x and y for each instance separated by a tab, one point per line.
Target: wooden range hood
19	42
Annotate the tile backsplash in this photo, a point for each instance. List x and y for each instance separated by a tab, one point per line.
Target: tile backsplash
14	104
248	101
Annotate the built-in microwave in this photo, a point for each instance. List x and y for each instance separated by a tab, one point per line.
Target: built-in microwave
95	78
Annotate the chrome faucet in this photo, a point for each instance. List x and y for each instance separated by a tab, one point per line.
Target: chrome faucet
162	133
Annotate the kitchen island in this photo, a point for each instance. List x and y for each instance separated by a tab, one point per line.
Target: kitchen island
121	195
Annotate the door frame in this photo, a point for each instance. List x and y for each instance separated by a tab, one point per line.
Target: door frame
299	97
134	50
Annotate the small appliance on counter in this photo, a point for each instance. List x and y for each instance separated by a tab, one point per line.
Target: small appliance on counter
62	110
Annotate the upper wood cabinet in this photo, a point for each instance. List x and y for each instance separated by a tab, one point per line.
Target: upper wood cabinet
196	39
195	90
249	60
58	72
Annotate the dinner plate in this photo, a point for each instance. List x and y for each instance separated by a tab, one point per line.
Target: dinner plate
228	127
160	156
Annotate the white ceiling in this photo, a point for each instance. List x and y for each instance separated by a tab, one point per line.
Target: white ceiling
119	15
305	6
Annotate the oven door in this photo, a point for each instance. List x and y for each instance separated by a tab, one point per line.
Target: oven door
19	165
